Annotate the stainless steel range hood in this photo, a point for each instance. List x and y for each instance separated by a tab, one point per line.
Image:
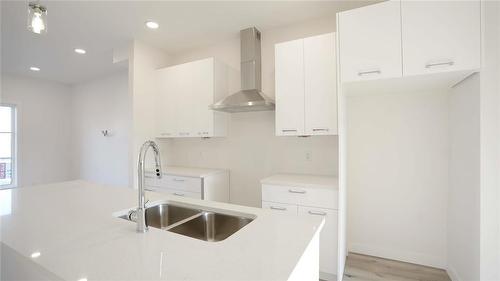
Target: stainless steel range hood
250	98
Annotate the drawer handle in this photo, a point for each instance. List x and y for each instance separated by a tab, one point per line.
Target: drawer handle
278	208
368	72
289	130
179	194
317	213
184	134
178	179
447	63
320	130
297	191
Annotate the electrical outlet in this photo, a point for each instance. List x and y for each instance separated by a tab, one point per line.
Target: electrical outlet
308	156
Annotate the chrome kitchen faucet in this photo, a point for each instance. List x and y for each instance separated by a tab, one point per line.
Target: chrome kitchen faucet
141	208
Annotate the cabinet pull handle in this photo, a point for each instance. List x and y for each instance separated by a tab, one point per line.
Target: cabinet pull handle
179	194
320	130
278	208
316	213
361	73
297	191
289	130
179	179
184	134
431	65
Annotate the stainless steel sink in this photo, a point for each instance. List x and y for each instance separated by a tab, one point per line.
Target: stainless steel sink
193	222
211	226
164	215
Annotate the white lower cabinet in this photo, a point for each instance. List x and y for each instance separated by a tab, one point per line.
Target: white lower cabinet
309	196
328	241
213	186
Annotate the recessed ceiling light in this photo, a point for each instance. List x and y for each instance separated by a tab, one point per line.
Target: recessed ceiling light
34	68
80	51
35	255
152	24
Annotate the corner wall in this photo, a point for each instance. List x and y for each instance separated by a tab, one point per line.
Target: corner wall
43	111
464	189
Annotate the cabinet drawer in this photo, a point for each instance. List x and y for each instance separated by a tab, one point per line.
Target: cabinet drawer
196	195
318	197
174	182
182	183
328	237
280	207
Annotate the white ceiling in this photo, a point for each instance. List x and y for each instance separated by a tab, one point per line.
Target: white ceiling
100	26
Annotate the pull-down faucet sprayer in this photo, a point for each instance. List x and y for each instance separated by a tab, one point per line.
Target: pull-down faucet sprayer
141	208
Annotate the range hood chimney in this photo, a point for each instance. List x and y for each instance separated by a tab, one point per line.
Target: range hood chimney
250	97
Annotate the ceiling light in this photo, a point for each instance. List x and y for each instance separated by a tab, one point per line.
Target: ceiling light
82	279
80	51
37	18
152	25
35	255
34	68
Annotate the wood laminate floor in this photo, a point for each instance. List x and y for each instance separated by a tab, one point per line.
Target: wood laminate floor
367	268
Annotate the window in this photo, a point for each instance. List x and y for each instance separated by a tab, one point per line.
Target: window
7	146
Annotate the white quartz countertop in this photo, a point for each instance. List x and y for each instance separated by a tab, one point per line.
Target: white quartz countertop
302	180
191	172
72	225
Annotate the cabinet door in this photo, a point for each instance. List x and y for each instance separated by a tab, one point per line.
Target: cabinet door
166	103
328	237
289	78
201	86
320	85
440	36
370	42
184	97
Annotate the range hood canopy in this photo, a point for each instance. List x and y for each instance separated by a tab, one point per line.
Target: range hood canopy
250	98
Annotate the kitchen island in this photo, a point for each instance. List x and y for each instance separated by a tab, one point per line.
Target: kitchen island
70	231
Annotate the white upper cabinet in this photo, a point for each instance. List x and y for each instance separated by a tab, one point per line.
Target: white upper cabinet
408	38
185	93
370	42
289	91
440	36
320	84
306	92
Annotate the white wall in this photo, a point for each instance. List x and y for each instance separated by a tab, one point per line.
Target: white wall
101	105
490	135
251	150
464	175
143	61
397	176
43	128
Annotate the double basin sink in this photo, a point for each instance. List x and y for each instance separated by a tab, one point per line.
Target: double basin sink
197	223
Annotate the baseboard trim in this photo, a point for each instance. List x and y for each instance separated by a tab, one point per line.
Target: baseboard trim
410	257
327	276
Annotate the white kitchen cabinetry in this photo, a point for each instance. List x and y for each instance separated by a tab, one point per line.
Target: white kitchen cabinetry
408	38
206	184
306	88
185	92
309	196
440	36
370	42
289	77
